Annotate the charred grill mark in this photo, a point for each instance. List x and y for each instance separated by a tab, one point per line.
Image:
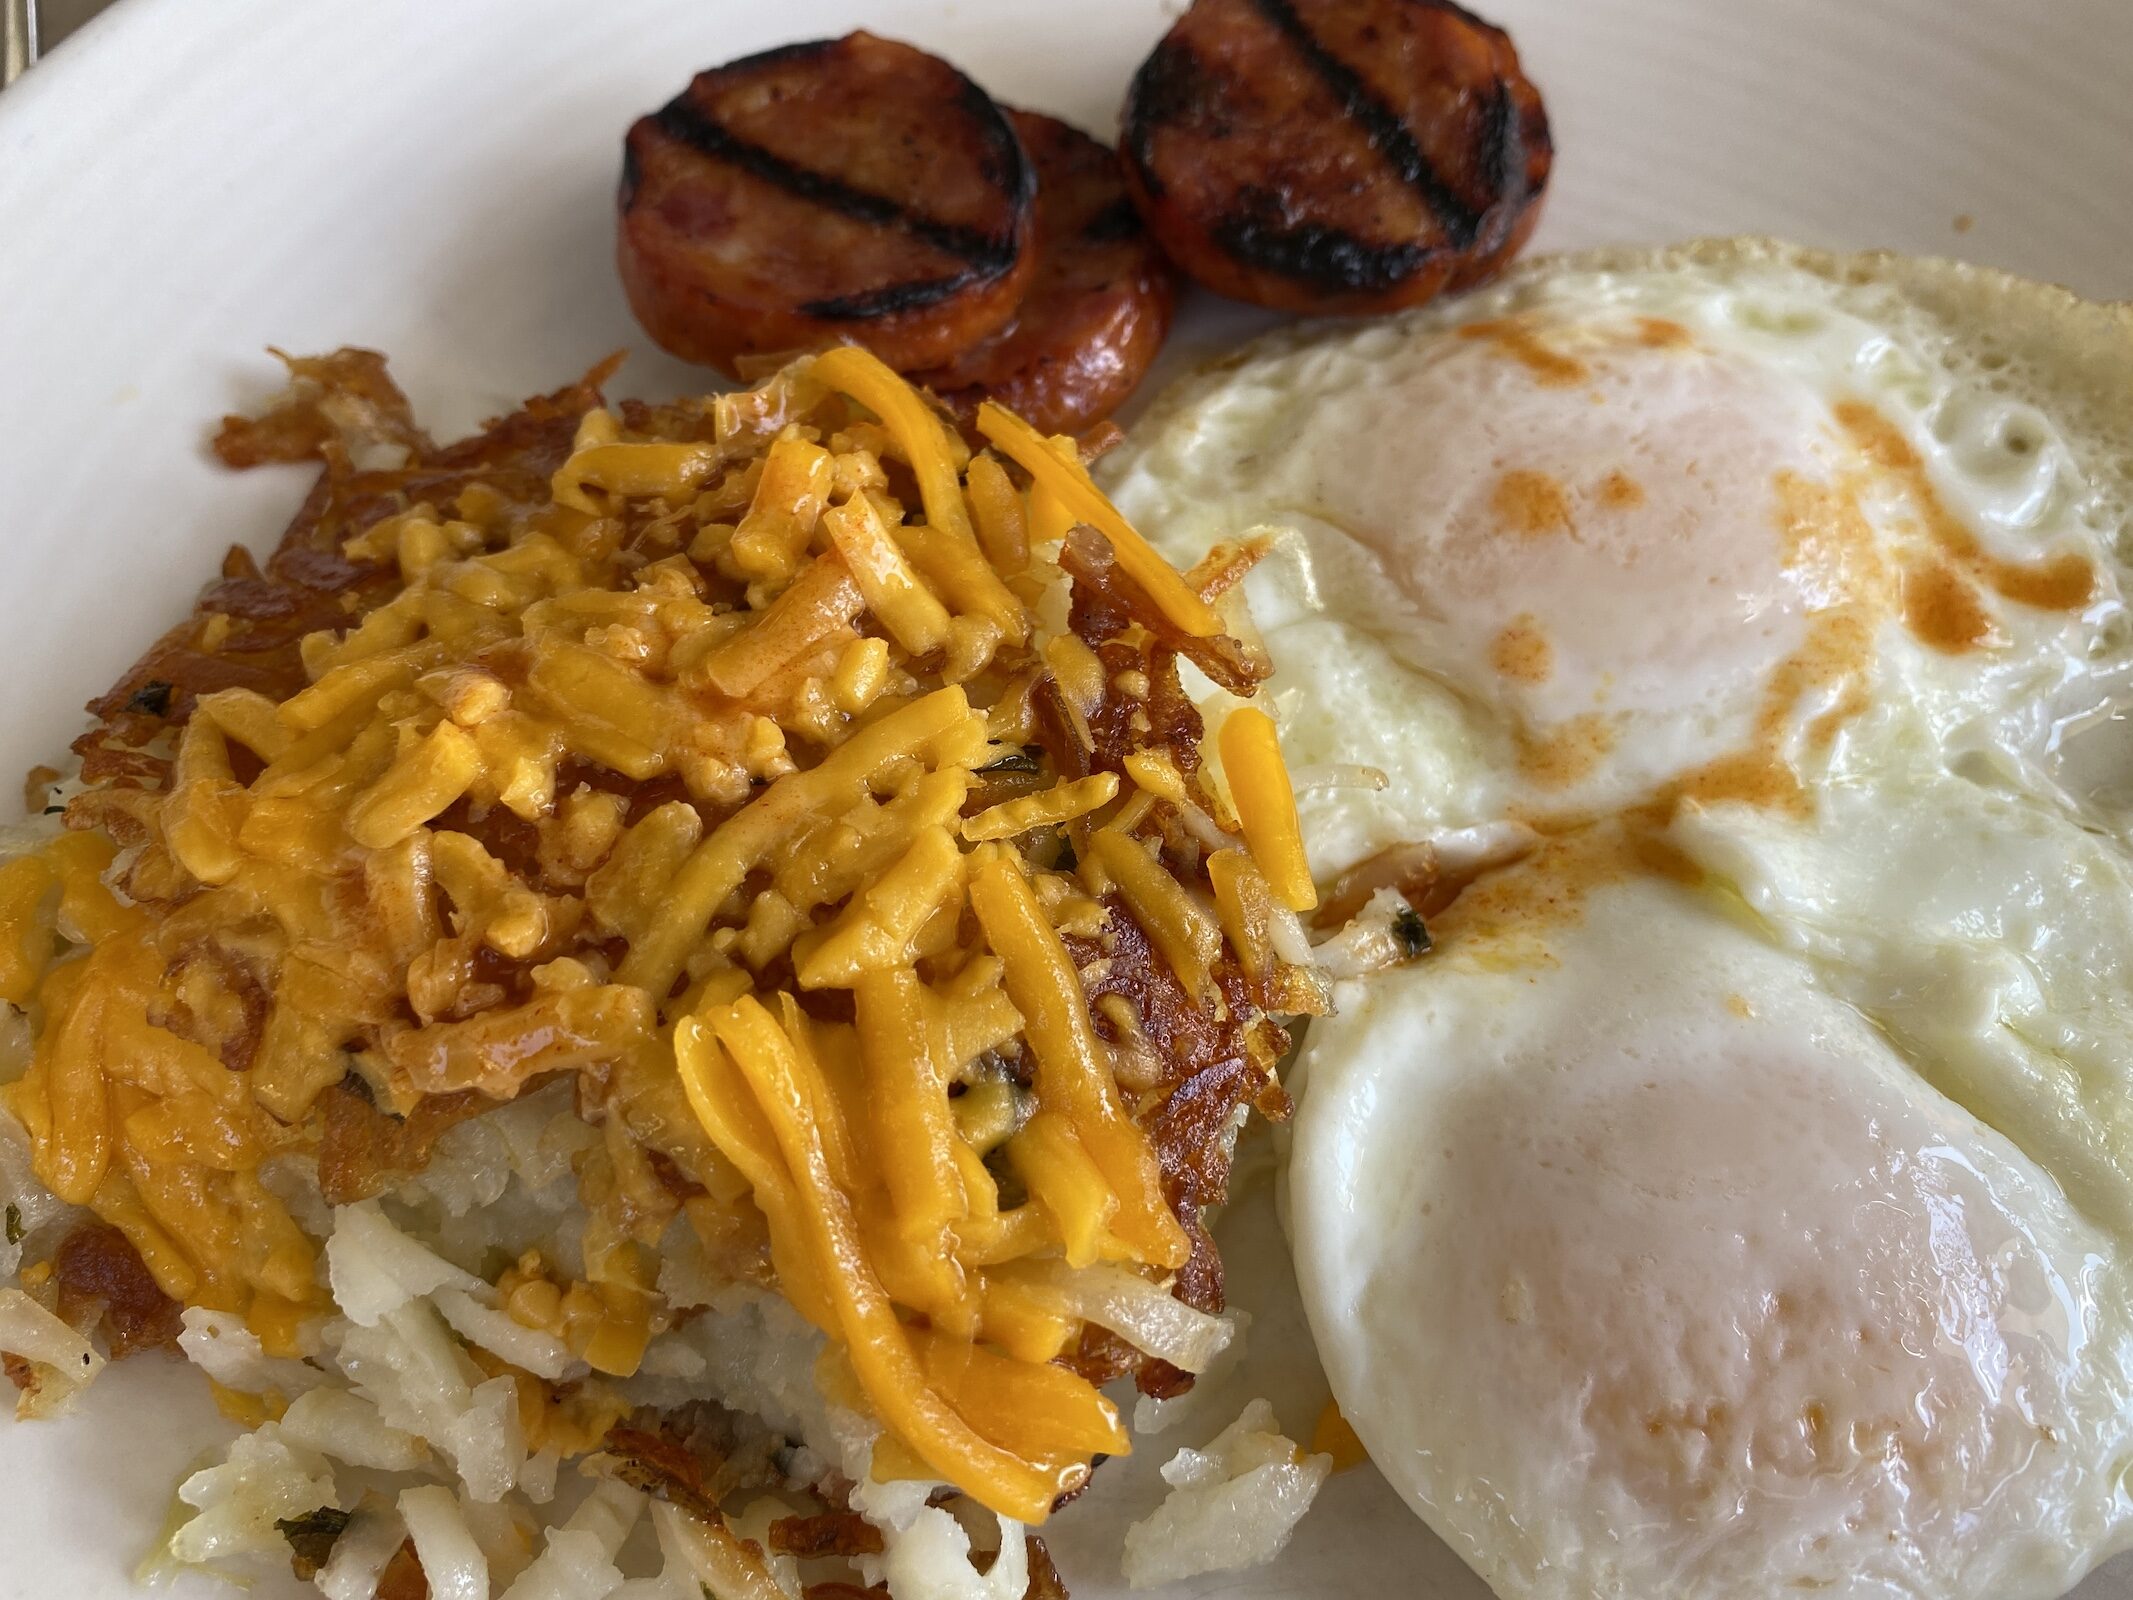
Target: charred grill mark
1503	155
1007	164
988	255
1327	258
151	699
1388	135
891	298
1165	90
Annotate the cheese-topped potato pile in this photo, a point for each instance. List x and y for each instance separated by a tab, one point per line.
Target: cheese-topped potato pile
803	817
1726	647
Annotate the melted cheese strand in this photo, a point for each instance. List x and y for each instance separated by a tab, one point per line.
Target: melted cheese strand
1072	1072
880	1348
1074	489
1266	804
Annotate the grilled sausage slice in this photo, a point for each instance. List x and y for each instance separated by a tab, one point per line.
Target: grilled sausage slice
1336	155
851	189
1097	310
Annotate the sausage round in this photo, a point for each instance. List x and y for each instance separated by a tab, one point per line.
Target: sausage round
1336	155
1098	308
844	190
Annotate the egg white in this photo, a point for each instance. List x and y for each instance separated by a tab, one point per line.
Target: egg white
1807	1029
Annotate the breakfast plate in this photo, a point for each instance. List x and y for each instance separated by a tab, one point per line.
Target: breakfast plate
185	185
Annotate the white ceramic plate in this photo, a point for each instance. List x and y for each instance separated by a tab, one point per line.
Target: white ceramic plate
184	183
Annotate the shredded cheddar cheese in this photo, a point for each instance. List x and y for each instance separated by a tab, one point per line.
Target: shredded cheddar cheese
1072	488
1259	788
935	455
697	767
1060	804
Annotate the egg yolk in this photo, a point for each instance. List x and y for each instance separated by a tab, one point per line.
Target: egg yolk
1627	542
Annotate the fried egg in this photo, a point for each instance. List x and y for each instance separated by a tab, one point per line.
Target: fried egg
1639	522
1739	1200
1657	1271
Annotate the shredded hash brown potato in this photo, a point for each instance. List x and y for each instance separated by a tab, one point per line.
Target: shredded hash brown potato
815	808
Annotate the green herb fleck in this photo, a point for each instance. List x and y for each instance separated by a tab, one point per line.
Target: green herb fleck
16	1232
1411	931
151	698
311	1536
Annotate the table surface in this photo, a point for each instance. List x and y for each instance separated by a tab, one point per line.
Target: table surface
58	18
